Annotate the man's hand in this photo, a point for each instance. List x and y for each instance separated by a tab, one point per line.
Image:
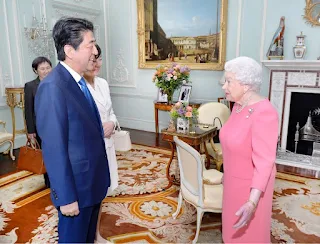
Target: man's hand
71	209
32	136
108	129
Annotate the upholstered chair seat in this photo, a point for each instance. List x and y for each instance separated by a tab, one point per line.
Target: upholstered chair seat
6	137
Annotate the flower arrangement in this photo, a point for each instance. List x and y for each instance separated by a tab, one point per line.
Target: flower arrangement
168	79
184	111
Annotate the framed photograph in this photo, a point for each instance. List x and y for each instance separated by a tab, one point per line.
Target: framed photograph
185	92
191	33
163	98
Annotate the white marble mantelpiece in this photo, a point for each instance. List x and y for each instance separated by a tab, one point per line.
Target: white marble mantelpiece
287	76
292	64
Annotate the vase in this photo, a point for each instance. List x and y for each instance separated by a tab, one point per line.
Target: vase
182	125
169	97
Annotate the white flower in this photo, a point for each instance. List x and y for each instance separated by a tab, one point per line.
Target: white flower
175	77
184	82
156	80
168	78
156	209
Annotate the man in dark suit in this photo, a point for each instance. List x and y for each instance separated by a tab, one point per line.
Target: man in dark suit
72	135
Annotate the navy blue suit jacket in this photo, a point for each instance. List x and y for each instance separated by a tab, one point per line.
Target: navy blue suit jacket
72	143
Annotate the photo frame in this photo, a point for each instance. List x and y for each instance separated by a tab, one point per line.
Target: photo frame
185	92
161	97
195	35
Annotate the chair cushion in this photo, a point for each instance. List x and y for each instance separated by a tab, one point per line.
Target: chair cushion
212	152
212	197
4	136
212	177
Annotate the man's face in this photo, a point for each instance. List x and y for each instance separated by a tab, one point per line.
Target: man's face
84	57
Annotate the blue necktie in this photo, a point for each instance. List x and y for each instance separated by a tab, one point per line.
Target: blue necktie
90	100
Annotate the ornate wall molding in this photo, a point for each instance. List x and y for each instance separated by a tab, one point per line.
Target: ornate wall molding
239	28
264	22
78	1
9	57
18	43
122	70
120	73
72	13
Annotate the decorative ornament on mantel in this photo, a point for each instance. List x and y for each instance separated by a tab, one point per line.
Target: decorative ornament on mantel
276	46
299	50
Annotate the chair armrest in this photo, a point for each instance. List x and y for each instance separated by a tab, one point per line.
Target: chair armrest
203	161
4	125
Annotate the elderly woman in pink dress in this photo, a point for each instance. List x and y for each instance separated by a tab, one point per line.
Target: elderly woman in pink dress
99	89
249	142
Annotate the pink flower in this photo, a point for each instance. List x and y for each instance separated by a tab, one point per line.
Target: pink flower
189	109
178	105
188	115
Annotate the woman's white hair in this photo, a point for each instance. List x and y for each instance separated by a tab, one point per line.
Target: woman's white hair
247	71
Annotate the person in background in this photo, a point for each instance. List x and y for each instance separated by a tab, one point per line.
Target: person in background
249	142
100	91
41	66
69	125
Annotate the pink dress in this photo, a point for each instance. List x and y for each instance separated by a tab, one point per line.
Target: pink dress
249	142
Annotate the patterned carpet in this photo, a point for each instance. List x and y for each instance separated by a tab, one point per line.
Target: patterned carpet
140	210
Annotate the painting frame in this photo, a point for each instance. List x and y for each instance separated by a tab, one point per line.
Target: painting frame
220	60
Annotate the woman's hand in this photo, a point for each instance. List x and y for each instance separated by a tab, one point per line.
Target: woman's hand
108	129
32	136
245	214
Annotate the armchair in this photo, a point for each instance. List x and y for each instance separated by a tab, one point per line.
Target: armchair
193	188
217	114
6	137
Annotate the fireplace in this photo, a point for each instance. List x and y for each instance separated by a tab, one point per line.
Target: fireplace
296	95
301	104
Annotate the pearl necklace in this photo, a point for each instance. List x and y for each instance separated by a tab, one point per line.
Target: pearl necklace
239	108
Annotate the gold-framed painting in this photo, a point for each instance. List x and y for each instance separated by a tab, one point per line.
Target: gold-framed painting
187	32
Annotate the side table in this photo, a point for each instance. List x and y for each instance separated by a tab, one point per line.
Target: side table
166	107
15	98
201	135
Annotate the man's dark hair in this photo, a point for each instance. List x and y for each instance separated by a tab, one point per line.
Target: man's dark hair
69	31
99	51
39	60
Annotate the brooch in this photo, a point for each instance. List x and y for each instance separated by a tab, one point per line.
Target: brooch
250	110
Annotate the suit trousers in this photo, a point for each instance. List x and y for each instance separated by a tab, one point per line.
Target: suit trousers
46	177
80	228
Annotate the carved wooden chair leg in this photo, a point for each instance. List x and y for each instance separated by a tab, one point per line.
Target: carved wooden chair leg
11	151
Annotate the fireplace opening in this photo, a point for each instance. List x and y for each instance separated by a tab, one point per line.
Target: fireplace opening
302	105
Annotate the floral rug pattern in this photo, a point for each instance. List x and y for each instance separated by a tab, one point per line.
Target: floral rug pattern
296	209
141	209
